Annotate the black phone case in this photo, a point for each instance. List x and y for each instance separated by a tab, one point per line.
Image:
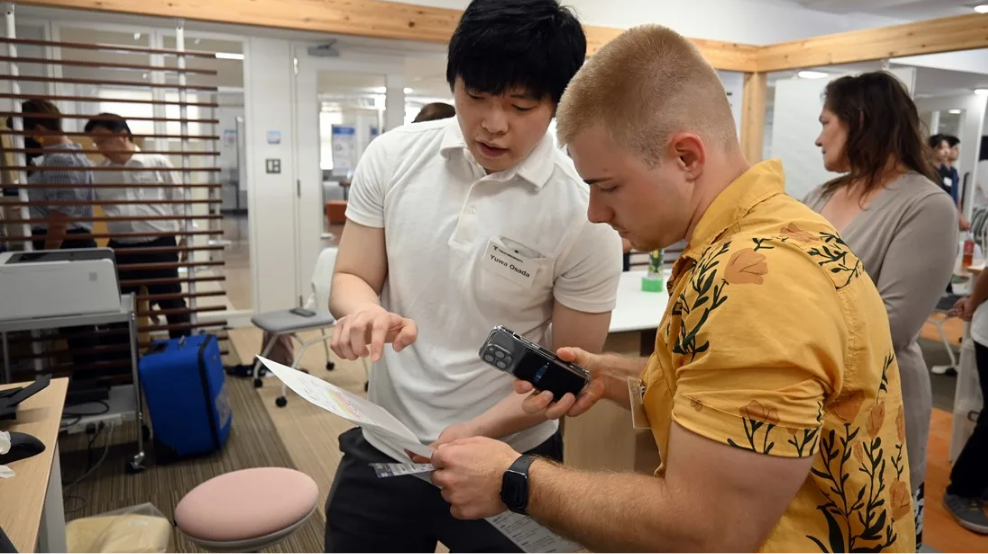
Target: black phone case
514	354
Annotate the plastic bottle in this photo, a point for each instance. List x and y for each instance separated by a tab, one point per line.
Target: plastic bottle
968	259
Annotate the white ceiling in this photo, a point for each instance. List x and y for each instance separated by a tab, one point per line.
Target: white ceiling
912	10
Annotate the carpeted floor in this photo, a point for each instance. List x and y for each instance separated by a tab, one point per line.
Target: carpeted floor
253	442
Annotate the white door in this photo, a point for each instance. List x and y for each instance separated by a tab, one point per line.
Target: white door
341	104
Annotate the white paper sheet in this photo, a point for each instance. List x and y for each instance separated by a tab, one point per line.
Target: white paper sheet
350	407
524	531
529	535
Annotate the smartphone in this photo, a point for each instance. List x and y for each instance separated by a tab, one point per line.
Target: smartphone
302	312
522	358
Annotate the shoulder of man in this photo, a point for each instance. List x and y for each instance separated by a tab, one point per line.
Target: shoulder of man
150	160
63	158
801	263
412	134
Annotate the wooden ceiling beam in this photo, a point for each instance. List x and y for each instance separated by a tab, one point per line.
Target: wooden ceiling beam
368	18
948	34
395	20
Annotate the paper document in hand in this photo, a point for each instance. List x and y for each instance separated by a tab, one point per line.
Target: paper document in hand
350	407
399	470
523	531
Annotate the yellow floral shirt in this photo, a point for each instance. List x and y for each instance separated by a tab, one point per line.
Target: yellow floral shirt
776	341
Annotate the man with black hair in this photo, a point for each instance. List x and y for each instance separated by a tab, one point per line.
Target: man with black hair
71	182
946	150
953	145
63	177
160	189
455	227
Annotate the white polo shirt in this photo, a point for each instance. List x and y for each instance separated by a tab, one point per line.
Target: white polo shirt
169	188
443	218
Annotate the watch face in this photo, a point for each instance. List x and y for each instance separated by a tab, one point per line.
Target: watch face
514	490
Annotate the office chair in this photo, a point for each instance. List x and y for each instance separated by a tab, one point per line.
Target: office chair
286	322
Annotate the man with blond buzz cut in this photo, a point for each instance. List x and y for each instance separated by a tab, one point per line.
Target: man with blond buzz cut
773	394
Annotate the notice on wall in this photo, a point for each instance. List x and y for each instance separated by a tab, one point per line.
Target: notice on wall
344	140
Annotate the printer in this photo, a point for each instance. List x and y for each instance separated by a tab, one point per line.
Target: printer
52	283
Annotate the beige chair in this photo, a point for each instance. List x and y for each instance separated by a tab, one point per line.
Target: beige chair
247	510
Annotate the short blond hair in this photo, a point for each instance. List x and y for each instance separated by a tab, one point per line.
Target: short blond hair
644	86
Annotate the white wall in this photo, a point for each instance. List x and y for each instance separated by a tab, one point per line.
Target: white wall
734	85
972	126
269	93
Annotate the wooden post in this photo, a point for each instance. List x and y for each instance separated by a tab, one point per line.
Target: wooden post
753	116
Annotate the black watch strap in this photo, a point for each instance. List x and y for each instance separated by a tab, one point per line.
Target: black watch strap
514	485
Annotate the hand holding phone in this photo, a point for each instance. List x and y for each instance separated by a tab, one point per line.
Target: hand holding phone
516	355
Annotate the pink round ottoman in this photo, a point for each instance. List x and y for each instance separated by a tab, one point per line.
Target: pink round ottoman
247	510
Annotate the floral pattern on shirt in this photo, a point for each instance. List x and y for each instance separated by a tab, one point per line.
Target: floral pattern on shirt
776	342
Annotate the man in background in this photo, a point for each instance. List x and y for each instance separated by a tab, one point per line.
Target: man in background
160	195
946	151
435	111
63	178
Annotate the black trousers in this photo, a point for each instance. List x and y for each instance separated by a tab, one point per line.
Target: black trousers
969	477
77	343
365	513
120	251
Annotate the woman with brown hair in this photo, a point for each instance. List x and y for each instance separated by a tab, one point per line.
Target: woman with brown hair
890	211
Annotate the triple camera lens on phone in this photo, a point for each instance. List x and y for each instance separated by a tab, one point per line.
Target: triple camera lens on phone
498	356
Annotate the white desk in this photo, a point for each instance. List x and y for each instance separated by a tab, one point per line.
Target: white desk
636	309
603	438
31	511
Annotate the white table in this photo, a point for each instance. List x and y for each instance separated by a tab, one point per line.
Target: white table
31	510
636	309
603	438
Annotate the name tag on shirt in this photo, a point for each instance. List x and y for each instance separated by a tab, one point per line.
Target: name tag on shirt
636	391
947	181
509	263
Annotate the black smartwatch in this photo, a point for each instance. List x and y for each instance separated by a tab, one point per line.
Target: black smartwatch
514	485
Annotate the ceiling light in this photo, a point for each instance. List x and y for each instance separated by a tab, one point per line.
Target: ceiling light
806	74
137	36
955	112
983	8
229	56
408	90
981	91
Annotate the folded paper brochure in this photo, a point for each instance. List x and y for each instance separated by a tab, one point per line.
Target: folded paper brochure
523	531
